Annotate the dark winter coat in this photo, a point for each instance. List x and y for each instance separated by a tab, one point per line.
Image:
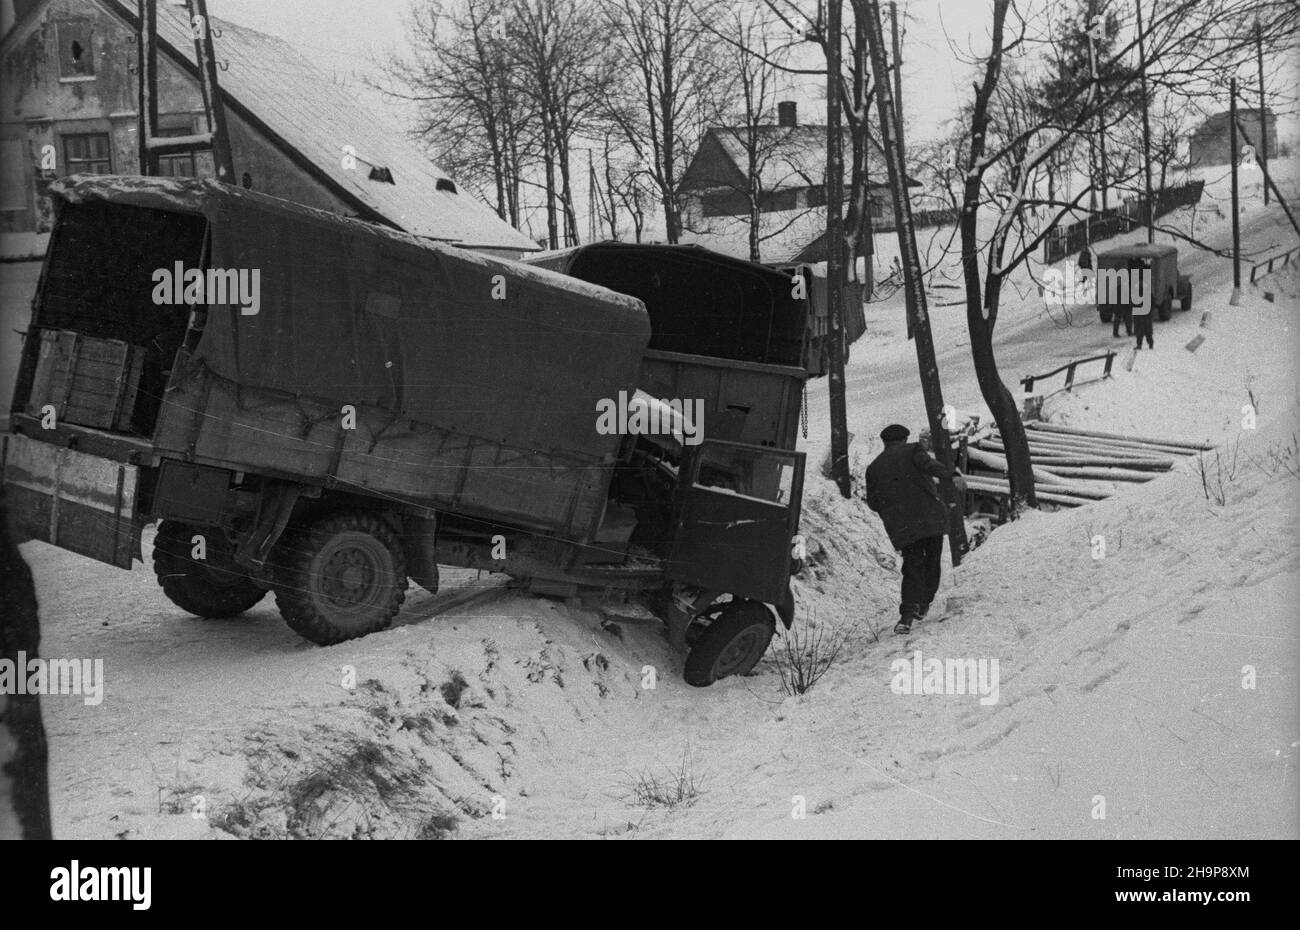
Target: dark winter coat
901	488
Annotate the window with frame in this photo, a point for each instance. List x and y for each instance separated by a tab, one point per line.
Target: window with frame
180	164
87	153
76	40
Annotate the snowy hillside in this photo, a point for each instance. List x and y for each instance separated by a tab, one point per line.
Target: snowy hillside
1155	685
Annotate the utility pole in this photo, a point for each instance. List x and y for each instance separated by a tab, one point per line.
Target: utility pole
1236	213
835	252
1261	151
1146	130
927	364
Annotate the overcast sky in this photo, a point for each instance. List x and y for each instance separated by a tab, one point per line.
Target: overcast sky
347	36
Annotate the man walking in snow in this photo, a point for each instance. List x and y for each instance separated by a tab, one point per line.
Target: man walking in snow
901	488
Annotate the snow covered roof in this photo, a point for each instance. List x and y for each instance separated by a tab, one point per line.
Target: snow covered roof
789	156
267	77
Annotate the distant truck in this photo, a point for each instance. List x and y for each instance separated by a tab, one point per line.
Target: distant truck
323	408
1166	284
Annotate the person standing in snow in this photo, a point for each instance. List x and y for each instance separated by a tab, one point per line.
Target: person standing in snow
900	486
1142	317
1124	313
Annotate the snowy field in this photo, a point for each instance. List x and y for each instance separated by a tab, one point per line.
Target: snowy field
1149	693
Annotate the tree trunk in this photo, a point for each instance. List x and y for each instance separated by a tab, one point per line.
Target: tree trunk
672	215
911	260
566	194
858	221
754	191
835	247
548	167
996	396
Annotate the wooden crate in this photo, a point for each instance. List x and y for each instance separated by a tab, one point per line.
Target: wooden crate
88	381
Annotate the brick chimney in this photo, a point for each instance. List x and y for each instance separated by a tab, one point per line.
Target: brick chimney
787	113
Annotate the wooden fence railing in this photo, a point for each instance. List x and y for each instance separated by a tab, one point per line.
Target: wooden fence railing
1071	239
1069	368
1283	258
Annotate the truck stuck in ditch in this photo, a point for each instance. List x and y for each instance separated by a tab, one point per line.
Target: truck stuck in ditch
383	405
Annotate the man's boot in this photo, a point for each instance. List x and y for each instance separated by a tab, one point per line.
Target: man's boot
908	614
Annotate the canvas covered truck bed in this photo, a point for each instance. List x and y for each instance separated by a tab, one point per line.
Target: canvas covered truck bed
724	330
374	361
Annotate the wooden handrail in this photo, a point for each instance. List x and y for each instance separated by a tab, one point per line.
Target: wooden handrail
1028	381
1284	256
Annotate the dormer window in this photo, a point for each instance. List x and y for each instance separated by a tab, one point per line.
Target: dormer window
381	174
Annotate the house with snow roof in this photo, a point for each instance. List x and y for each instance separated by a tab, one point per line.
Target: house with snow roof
787	162
70	102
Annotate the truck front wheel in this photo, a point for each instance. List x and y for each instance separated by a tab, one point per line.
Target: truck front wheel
339	577
211	586
730	645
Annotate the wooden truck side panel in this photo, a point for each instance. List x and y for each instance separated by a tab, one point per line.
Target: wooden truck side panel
360	358
212	422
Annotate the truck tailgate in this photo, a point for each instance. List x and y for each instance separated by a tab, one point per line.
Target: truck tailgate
79	502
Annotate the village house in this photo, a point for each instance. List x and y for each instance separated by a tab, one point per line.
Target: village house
70	106
789	164
1209	143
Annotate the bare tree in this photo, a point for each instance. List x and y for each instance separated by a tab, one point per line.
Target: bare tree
673	72
459	74
805	21
1189	46
627	189
562	65
746	120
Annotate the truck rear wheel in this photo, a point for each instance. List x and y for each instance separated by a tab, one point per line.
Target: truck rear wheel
731	645
1165	308
213	587
339	577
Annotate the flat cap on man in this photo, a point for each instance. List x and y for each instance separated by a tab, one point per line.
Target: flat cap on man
895	433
